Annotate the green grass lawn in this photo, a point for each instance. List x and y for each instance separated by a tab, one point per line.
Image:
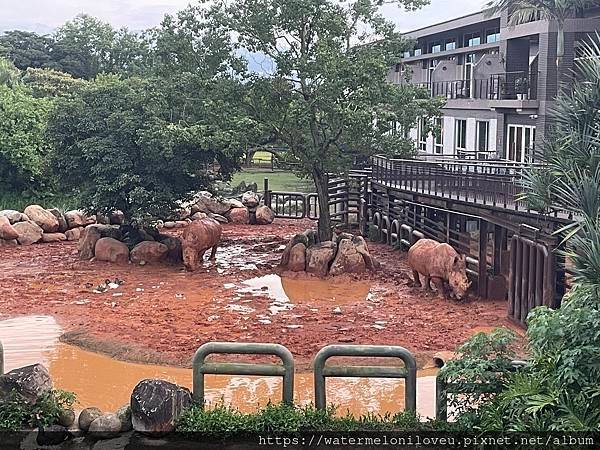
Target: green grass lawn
278	180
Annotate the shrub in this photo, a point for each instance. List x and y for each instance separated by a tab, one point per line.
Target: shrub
15	415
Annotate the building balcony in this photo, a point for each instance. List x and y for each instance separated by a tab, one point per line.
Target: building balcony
503	89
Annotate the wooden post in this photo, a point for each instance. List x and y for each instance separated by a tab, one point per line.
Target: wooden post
482	276
267	193
499	238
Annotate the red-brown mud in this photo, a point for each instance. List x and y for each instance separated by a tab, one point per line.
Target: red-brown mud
170	312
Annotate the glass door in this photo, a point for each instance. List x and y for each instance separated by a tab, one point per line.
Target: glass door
520	143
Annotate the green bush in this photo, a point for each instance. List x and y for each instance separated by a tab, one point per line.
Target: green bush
15	414
479	372
284	419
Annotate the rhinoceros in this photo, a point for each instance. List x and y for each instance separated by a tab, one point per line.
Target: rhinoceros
441	264
198	237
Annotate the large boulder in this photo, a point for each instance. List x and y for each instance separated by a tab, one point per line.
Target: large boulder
112	250
73	234
9	243
7	231
175	252
234	203
298	238
198	215
264	215
91	234
29	232
42	217
297	262
53	237
239	215
75	219
29	383
250	199
103	219
12	215
148	252
347	259
124	415
62	221
87	416
361	247
319	257
156	405
116	217
206	203
218	217
107	426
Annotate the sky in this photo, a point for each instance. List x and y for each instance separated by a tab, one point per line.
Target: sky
43	16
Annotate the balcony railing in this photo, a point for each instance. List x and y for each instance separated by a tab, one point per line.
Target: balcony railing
502	86
497	184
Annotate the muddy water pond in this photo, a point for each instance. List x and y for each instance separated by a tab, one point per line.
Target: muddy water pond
106	383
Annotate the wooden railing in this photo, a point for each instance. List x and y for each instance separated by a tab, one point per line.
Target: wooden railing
490	183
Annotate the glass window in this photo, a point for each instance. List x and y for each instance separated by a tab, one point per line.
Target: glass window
406	55
422	134
418	51
492	36
451	44
436	47
483	139
460	137
472	39
439	138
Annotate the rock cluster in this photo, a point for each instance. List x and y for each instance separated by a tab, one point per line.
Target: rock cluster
36	224
223	210
346	253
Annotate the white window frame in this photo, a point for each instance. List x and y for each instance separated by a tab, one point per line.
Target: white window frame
527	148
478	151
438	141
458	150
421	135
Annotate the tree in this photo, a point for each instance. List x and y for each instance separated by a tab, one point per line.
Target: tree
26	49
50	83
9	75
523	11
86	46
571	178
328	99
122	144
23	149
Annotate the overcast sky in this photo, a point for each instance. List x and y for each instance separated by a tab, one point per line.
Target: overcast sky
43	16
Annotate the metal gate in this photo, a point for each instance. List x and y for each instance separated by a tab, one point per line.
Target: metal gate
532	276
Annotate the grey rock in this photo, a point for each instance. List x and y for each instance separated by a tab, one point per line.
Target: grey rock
250	199
319	257
106	426
75	219
219	218
91	234
116	217
175	252
66	417
264	215
148	252
62	221
29	383
347	259
87	416
73	234
124	415
29	232
156	405
12	215
43	218
53	237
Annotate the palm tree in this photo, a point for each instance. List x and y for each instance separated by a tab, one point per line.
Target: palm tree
571	178
522	11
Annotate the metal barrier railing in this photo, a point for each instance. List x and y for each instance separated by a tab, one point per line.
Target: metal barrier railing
200	367
1	359
443	388
409	372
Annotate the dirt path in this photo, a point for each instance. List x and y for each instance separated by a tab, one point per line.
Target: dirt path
165	312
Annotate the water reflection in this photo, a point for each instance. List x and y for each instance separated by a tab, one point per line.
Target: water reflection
104	382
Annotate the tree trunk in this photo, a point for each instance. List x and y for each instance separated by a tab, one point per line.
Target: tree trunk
560	45
321	183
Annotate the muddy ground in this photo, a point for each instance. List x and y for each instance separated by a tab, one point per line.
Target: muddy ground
162	313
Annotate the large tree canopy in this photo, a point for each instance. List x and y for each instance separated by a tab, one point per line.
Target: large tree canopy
23	149
328	98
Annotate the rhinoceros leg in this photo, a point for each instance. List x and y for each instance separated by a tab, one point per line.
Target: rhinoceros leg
439	285
213	253
416	278
427	284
